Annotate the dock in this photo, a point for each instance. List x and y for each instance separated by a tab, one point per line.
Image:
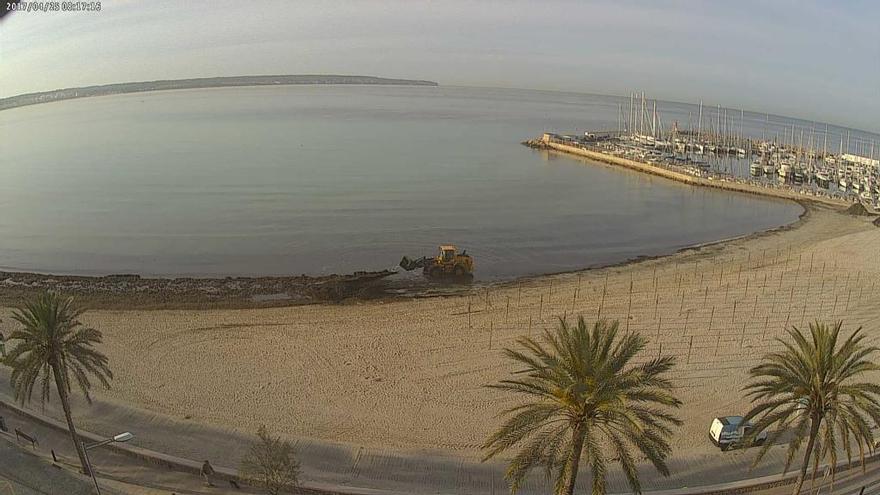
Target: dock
683	174
714	152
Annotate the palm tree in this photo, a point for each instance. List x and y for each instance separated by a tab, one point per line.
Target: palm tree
52	346
810	388
586	402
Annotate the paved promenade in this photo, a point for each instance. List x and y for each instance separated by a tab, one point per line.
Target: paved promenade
350	468
22	472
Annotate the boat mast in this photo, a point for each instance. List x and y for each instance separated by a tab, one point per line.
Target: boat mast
727	135
654	121
619	111
801	145
642	117
825	146
810	154
700	123
631	128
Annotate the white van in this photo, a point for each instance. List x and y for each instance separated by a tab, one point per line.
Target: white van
728	431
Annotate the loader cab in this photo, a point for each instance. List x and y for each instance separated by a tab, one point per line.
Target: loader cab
448	263
447	254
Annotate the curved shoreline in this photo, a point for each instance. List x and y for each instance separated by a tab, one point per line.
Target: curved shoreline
396	386
132	291
62	94
801	220
126	291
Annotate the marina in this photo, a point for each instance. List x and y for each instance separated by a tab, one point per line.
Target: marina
797	165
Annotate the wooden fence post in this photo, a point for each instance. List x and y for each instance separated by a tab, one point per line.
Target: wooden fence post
711	318
491	331
541	309
629	305
755	308
690	346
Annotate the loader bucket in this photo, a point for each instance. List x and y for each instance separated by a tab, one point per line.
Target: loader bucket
407	264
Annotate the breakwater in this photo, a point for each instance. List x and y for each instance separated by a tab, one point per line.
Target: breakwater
729	184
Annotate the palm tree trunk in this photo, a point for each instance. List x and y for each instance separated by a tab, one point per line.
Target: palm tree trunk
574	460
65	404
814	432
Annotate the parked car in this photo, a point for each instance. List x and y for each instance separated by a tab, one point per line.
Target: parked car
728	431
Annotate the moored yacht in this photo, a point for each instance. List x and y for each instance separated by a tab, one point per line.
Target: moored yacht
756	169
784	170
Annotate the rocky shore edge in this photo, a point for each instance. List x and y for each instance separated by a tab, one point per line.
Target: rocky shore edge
135	291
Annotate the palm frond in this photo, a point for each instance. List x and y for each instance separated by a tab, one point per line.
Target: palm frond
810	385
585	402
51	337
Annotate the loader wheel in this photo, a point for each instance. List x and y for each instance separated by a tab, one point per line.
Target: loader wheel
435	272
459	271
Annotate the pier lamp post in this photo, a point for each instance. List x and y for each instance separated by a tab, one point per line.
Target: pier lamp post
122	437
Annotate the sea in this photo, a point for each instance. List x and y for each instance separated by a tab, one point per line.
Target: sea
288	180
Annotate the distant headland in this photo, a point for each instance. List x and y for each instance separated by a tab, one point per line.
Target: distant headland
202	82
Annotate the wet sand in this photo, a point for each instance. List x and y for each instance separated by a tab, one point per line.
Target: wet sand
410	374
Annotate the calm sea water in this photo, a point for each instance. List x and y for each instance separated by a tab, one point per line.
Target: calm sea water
324	179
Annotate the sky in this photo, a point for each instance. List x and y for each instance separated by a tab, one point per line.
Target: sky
814	60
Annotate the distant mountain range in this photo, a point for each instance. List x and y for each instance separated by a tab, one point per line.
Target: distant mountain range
203	82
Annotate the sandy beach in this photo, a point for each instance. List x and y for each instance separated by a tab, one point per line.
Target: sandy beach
410	374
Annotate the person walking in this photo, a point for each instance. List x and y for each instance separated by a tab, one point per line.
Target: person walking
2	346
207	472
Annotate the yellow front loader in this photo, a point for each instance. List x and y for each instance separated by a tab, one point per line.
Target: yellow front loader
448	263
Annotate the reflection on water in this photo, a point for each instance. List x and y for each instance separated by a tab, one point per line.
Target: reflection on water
288	180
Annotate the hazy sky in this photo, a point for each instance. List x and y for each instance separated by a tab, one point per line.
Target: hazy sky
819	61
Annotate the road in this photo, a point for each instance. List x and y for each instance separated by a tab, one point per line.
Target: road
30	472
25	473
